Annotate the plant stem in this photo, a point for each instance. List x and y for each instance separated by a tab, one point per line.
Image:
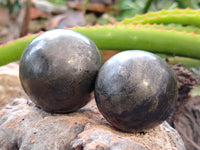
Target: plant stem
177	16
12	51
126	37
147	6
85	6
25	24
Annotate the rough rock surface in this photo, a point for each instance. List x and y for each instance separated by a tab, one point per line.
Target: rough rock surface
187	123
10	87
26	127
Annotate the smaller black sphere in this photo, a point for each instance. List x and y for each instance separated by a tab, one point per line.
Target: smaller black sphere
135	90
58	70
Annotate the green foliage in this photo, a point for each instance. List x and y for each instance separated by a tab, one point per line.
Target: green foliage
188	3
58	2
12	5
129	8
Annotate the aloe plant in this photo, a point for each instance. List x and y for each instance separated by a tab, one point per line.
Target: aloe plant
144	32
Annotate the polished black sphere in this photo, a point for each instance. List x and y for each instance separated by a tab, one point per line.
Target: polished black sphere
58	70
135	90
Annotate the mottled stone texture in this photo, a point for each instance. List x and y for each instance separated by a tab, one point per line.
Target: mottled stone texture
26	127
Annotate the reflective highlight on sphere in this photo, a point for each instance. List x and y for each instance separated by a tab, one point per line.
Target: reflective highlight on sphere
58	70
135	90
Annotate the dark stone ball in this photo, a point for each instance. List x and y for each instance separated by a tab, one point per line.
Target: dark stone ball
58	70
135	90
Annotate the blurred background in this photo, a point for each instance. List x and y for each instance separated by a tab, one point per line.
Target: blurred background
20	17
